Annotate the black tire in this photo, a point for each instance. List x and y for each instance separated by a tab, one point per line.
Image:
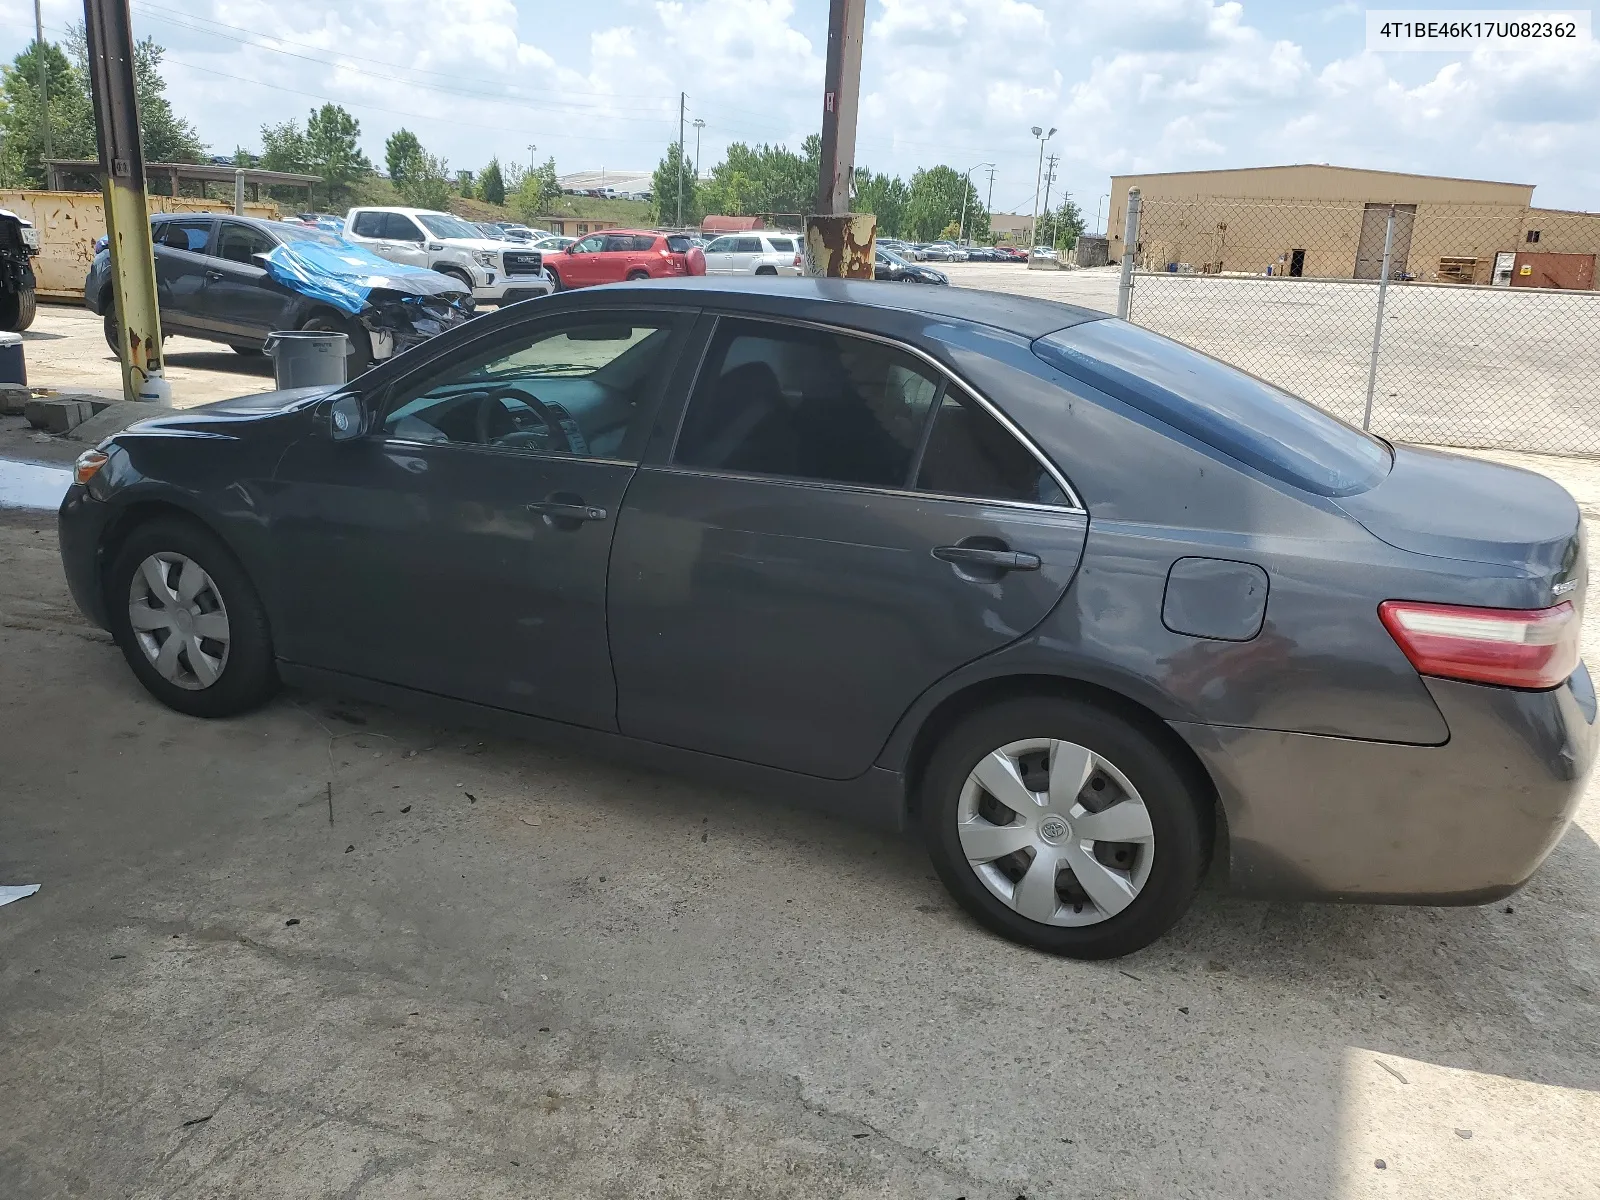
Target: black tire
248	677
17	309
358	359
638	274
766	270
1179	811
555	280
247	351
109	322
458	275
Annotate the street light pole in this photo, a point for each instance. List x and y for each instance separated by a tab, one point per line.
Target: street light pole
962	236
1033	225
698	126
1049	178
531	149
1097	205
683	99
44	87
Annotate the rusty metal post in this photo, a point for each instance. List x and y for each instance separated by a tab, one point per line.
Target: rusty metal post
133	268
840	244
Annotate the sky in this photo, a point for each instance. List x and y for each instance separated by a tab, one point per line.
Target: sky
1129	85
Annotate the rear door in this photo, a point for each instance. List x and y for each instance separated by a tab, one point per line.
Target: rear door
837	528
618	258
241	300
181	249
746	251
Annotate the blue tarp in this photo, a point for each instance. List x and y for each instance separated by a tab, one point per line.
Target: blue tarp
343	275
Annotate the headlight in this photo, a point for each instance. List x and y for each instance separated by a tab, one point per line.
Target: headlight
486	258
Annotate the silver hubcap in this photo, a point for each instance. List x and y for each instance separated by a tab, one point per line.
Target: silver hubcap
1056	832
179	619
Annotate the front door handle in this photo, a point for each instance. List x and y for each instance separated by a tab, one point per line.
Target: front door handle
1000	560
563	510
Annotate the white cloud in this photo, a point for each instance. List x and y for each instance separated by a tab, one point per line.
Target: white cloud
1132	84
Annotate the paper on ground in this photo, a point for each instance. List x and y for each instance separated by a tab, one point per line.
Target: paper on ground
16	891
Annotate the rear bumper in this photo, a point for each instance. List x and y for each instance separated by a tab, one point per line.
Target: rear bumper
81	525
1319	818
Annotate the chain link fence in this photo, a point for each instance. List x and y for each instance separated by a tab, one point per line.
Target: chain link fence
1464	325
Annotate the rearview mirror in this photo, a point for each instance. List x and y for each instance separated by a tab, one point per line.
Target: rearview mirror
346	418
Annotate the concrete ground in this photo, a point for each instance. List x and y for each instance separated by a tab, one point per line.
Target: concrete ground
327	950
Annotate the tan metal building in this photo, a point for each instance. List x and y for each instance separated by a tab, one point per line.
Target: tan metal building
1329	222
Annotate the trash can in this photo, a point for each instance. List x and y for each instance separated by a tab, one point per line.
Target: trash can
307	359
13	369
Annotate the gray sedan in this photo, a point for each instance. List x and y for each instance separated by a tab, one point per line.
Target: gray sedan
1082	605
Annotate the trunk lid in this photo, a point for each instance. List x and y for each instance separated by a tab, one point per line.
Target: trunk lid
1448	506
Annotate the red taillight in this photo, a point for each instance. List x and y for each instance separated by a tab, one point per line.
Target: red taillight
797	261
1513	647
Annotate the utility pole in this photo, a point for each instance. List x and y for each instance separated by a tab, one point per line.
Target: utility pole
698	126
683	99
1049	178
1033	224
109	32
988	205
839	243
44	88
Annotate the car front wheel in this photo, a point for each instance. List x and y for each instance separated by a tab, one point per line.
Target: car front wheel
189	621
1063	827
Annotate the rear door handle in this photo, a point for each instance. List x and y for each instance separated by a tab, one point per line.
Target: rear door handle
974	556
212	273
562	510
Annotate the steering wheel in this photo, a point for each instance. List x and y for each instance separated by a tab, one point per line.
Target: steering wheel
490	404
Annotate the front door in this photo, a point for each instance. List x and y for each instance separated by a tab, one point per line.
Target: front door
241	300
580	266
461	549
404	240
837	529
719	257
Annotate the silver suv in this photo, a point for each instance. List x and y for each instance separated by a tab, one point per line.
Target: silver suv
496	271
755	253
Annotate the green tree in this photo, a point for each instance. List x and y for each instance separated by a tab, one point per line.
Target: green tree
70	117
671	173
885	196
166	136
539	190
464	184
426	183
401	152
936	200
763	179
1064	225
283	148
333	151
492	183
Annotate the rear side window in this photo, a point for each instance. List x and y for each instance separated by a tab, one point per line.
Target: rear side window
969	453
679	244
747	246
1246	418
184	235
806	403
616	242
782	245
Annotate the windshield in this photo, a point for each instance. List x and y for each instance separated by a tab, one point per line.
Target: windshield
443	225
1244	417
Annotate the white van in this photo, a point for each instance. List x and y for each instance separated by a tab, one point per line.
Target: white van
757	252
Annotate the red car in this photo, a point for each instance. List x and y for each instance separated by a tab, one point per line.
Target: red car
619	254
1013	253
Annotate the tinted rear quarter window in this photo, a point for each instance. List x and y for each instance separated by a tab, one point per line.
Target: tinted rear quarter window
782	245
969	453
1246	418
644	241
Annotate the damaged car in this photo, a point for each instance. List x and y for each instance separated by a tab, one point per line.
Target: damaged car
236	280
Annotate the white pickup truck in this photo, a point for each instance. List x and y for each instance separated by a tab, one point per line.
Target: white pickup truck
497	272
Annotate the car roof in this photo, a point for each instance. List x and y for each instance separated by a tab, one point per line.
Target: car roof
1024	315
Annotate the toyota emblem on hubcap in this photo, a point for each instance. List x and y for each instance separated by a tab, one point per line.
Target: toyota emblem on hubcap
1053	829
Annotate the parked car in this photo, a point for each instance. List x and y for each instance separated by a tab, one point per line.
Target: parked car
515	232
235	280
1012	254
19	245
755	253
984	254
619	254
555	241
440	241
327	222
943	252
890	266
1045	254
1065	594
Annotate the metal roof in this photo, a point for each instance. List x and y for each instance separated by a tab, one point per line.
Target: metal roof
205	171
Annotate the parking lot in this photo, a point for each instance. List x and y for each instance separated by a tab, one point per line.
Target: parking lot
329	950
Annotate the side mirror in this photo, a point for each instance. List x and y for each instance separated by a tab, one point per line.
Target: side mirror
346	418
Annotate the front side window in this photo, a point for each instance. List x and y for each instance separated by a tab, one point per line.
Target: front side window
723	245
398	227
184	235
592	244
969	453
583	389
241	243
805	403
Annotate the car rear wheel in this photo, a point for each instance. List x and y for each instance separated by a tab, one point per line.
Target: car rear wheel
17	309
766	270
638	274
1063	827
358	358
109	324
189	621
